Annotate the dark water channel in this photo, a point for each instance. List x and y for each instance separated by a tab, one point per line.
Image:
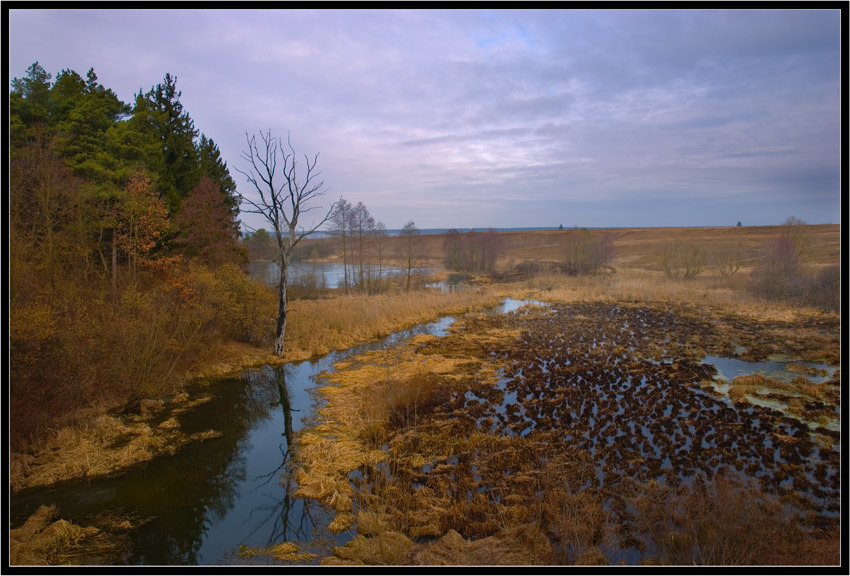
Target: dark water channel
212	497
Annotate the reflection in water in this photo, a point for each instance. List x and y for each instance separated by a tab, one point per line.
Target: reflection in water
319	274
214	496
211	497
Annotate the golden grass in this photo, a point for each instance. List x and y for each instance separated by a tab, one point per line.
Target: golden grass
283	552
361	401
317	327
45	540
102	446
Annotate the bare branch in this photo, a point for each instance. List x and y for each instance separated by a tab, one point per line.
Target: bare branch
281	205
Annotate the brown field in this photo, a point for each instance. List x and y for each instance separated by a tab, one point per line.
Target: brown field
635	247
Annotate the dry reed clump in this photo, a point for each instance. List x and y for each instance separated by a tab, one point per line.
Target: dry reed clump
803	369
44	540
388	548
102	446
522	545
738	395
283	552
514	546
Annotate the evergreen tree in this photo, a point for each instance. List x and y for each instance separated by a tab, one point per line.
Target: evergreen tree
160	113
213	167
29	104
83	112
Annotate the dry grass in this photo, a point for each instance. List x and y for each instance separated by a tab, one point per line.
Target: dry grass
317	327
45	540
103	445
635	247
283	552
363	401
427	476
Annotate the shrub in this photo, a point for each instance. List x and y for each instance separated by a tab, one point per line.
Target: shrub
825	292
723	521
680	261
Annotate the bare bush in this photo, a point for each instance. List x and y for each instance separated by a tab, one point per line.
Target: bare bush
587	253
779	273
825	292
680	261
729	257
474	252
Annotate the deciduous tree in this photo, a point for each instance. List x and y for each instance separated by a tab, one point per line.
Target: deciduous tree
285	191
410	232
206	227
340	221
143	222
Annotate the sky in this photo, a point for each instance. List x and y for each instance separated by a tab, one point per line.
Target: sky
503	118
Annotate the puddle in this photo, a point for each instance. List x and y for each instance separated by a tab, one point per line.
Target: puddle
730	368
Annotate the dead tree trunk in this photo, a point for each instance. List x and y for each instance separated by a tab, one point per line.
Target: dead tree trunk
282	197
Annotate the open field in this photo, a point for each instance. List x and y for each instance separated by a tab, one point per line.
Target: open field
635	247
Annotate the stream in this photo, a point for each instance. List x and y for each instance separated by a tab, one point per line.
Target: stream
212	497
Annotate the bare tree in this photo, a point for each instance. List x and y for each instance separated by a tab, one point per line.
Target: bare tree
380	236
362	224
284	196
340	221
409	231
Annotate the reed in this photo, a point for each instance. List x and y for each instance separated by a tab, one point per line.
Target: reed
316	327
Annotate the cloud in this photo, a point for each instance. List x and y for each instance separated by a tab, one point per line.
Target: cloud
477	109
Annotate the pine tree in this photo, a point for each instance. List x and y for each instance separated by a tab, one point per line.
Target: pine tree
213	167
160	113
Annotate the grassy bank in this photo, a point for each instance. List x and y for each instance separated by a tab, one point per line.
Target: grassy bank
108	443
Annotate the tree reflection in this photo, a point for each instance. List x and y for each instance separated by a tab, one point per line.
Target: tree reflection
210	497
289	519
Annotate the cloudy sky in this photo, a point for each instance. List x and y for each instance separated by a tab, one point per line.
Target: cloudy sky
498	118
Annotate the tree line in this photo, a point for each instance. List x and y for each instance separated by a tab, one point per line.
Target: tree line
124	249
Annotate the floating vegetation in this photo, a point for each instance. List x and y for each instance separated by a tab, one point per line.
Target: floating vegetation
284	552
46	540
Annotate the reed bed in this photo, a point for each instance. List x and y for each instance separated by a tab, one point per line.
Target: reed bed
407	453
316	327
